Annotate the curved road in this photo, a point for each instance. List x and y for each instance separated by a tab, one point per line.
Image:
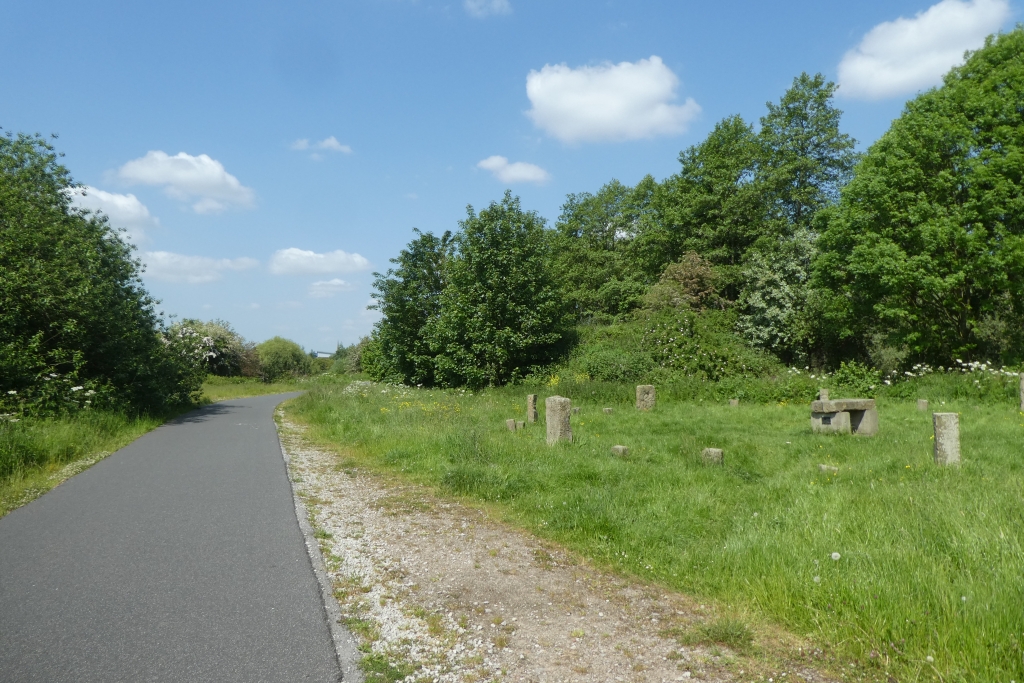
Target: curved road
177	558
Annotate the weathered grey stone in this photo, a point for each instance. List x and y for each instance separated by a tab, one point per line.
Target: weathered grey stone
822	394
845	416
947	438
645	397
511	424
607	411
713	456
830	423
556	414
734	402
531	407
922	404
828	469
520	424
620	450
575	410
1022	392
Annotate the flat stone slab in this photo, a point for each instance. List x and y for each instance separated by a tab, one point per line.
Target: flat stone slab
620	450
842	405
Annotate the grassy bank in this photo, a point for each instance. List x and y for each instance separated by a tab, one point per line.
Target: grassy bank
225	388
38	454
927	581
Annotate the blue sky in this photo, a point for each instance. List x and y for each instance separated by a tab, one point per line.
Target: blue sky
267	157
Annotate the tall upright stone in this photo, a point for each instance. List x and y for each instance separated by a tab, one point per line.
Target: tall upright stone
1022	392
531	407
645	396
822	394
947	438
557	410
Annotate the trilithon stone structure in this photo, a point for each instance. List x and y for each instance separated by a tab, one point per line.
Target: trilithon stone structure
557	410
531	408
645	396
845	416
947	438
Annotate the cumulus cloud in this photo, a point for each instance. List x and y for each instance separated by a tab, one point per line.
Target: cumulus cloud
903	56
328	288
330	144
293	261
517	172
625	101
195	270
187	178
123	210
484	8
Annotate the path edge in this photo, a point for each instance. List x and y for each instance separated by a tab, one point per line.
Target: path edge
345	649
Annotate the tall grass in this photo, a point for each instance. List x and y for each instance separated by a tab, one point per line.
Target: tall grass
927	581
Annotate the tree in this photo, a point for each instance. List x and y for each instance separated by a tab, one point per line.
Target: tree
408	297
926	247
501	312
73	311
228	349
280	357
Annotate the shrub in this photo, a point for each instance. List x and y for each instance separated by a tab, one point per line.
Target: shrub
280	357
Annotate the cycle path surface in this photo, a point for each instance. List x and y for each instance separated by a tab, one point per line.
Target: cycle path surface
177	558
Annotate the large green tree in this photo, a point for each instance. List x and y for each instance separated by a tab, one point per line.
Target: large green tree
925	251
408	297
501	312
73	311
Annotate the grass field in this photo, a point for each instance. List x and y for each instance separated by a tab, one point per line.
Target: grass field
224	388
899	567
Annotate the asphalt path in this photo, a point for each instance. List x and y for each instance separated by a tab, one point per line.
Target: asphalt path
177	558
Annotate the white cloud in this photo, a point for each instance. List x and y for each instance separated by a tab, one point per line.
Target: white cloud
189	178
903	56
328	288
484	8
625	101
123	210
518	172
293	261
195	270
329	144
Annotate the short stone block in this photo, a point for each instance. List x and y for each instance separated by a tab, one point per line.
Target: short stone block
531	407
645	397
922	404
575	410
511	424
828	469
831	423
713	456
557	410
734	402
607	411
620	450
947	438
520	424
822	394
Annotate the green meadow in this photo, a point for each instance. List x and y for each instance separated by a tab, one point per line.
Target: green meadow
898	567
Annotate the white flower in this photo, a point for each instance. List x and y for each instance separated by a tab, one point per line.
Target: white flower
817	579
77	388
12	392
836	556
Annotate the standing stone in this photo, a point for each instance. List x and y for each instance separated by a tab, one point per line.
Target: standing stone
822	394
947	438
620	450
575	410
511	424
531	408
713	456
828	469
556	413
645	397
607	411
1022	392
520	424
922	404
734	402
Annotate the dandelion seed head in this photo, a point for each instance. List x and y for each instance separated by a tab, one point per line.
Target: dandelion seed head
836	556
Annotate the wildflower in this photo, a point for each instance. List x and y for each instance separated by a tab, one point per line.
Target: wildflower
817	579
929	659
12	392
836	556
77	388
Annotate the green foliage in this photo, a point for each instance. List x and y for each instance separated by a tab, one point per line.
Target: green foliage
409	297
856	379
690	283
74	317
230	355
281	358
925	248
501	312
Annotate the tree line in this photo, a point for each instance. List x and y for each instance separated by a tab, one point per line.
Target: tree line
908	253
